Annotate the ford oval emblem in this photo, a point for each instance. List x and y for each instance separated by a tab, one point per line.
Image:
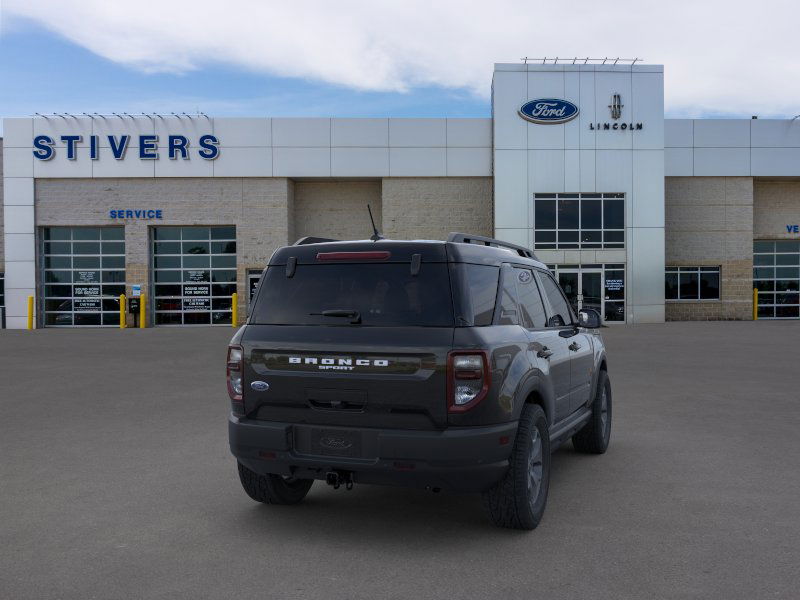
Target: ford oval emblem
548	111
260	386
335	443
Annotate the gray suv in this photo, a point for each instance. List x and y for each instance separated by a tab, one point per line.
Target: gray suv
455	365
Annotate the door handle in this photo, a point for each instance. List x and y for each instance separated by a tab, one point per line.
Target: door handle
574	346
545	352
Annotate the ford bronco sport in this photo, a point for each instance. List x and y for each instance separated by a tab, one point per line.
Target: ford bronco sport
454	365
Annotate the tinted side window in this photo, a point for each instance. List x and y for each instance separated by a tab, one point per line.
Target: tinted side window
482	285
508	299
530	301
561	312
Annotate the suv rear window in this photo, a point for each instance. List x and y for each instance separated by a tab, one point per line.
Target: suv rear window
385	295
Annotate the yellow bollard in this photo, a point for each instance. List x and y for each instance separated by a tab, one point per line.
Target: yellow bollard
234	309
30	312
755	304
142	311
122	323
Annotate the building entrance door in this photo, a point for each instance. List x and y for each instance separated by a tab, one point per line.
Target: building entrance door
583	288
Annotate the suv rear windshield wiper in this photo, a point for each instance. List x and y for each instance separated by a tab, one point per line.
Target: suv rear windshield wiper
353	315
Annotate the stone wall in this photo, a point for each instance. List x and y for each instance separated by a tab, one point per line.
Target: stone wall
336	209
709	222
430	208
776	204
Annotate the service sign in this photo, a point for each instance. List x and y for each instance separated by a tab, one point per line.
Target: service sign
192	304
196	290
548	111
86	304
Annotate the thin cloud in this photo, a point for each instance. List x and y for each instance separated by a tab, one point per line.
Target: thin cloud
719	56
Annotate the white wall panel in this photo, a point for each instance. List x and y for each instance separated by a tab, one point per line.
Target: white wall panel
572	92
108	166
678	133
572	171
647	197
19	246
301	162
588	112
61	167
360	162
721	133
721	161
132	126
418	133
613	171
511	198
544	84
18	191
191	167
510	93
243	162
469	162
646	266
17	133
678	162
18	219
301	133
243	132
55	127
545	171
469	133
521	237
647	108
418	162
775	133
587	171
360	132
775	161
18	162
608	83
17	304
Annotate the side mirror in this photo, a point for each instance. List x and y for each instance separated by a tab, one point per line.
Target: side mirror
589	318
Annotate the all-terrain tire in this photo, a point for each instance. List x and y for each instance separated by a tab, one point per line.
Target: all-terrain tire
273	489
517	501
596	434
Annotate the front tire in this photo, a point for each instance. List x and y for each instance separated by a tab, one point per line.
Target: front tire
518	500
273	489
596	434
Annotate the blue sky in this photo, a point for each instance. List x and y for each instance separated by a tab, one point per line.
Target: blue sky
50	74
361	58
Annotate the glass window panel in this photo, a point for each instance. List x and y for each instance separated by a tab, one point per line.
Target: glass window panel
530	300
787	259
787	312
86	233
766	312
167	276
86	318
787	272
223	261
764	273
168	290
591	239
111	318
545	236
591	214
88	276
787	246
113	262
786	285
58	276
760	246
113	276
614	236
195	247
169	304
58	291
86	262
167	233
113	247
614	285
223	289
568	214
57	233
763	259
671	286
766	298
221	304
56	319
197	262
112	233
111	304
786	298
57	304
615	311
765	285
167	248
57	248
57	262
86	248
166	262
613	214
224	276
195	233
223	233
562	315
545	214
689	286
197	318
709	285
195	275
169	319
113	290
223	247
221	318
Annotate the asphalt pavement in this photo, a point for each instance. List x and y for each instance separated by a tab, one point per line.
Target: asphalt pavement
116	482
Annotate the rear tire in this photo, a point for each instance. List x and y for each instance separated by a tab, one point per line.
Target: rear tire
518	500
273	489
596	434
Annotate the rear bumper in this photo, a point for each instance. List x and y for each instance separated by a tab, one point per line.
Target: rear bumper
466	459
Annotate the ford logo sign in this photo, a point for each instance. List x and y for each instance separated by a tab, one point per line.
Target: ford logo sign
260	386
548	111
335	443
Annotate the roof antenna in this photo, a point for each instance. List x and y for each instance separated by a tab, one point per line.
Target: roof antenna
377	235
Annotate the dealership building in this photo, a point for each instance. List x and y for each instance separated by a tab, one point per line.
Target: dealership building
645	218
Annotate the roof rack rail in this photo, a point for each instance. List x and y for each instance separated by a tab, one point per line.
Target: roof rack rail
310	239
466	238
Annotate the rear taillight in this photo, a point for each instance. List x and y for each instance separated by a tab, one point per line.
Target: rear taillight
234	376
468	379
